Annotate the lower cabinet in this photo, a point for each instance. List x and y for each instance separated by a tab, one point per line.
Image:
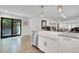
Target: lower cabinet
61	45
68	45
48	45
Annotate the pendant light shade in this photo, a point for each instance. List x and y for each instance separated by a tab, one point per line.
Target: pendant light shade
42	12
60	8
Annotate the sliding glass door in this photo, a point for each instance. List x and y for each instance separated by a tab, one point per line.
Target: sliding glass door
10	27
6	25
16	27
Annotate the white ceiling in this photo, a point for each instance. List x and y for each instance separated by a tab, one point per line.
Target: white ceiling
70	11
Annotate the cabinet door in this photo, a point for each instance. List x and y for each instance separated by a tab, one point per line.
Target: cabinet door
47	44
52	45
42	44
68	45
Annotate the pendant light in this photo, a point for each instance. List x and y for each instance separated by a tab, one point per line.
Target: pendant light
60	8
42	12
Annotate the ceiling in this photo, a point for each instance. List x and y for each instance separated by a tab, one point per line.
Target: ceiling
33	11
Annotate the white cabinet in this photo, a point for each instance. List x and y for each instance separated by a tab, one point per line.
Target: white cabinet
47	44
68	45
42	44
51	42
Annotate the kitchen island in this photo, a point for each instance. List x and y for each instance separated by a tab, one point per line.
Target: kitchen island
58	42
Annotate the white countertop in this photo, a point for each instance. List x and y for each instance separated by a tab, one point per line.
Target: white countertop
49	34
69	34
55	35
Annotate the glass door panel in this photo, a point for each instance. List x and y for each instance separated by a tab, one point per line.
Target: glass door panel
16	27
6	25
10	27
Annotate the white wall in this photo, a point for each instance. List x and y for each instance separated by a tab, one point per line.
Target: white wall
35	24
25	29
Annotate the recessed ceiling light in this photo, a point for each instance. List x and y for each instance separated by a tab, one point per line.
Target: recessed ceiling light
60	8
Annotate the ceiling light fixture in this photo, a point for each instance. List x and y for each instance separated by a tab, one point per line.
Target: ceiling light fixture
42	11
60	8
